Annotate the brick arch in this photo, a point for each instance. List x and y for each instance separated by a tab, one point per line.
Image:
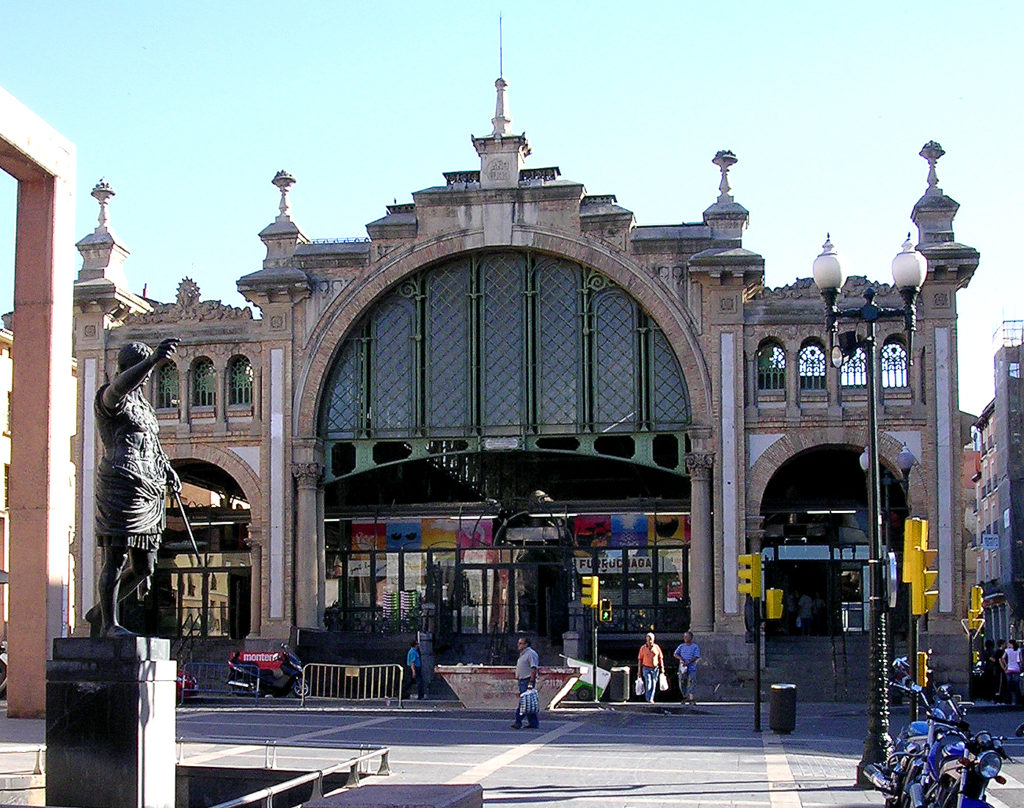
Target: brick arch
346	310
790	445
232	464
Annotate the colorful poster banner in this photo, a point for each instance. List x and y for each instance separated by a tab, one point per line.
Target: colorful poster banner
368	535
670	529
404	536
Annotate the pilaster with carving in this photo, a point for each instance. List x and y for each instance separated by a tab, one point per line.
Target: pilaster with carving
699	466
307	565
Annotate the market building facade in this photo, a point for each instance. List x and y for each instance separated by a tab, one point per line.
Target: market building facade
509	384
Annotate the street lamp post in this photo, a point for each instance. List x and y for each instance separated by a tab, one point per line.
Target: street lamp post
908	270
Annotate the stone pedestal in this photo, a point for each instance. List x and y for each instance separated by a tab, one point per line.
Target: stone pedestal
110	723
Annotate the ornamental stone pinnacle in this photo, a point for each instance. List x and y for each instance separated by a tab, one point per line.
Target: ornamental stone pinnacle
932	151
102	192
502	123
725	160
284	181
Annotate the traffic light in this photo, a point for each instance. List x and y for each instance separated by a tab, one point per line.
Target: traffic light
919	564
773	603
975	621
589	591
922	668
604	611
749	573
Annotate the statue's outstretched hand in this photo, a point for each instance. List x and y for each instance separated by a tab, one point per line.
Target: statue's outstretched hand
173	480
166	349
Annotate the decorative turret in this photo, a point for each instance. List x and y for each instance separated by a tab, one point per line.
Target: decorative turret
103	256
726	218
502	154
934	212
283	234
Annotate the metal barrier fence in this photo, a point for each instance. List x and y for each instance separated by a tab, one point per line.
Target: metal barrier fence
353	682
197	679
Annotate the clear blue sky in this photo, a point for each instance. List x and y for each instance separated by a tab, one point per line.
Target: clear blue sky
189	109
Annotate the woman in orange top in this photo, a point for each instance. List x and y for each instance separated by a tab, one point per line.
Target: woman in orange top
652	664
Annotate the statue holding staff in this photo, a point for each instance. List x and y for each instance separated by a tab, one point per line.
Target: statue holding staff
131	484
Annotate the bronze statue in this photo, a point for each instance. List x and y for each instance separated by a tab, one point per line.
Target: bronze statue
131	484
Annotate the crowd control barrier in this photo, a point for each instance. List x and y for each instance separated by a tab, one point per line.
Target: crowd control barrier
198	679
353	682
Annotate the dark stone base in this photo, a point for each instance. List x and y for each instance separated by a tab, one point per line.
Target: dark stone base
110	723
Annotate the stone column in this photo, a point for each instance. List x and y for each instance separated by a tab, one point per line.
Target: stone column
307	566
255	543
702	573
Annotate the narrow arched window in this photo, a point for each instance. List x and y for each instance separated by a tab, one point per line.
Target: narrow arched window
240	382
204	389
167	386
855	370
894	364
771	367
812	366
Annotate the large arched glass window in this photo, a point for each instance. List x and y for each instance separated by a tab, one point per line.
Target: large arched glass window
204	387
167	386
894	364
812	366
504	343
771	366
240	382
854	372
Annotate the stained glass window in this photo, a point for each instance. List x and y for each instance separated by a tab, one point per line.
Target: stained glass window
854	372
167	386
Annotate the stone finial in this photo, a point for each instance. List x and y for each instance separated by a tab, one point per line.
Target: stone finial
932	151
102	192
284	181
502	123
725	160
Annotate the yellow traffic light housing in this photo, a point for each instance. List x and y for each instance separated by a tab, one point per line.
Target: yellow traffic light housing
604	611
773	603
919	566
590	591
975	612
922	668
749	574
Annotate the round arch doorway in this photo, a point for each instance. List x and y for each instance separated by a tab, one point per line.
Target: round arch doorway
208	596
815	545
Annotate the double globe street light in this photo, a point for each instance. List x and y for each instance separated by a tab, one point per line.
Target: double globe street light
908	271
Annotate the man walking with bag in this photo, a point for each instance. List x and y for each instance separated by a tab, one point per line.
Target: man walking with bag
526	675
688	652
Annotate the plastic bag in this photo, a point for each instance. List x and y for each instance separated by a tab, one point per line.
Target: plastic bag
529	702
662	682
638	686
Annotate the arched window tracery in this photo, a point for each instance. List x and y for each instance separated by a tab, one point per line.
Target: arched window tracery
771	366
204	383
811	362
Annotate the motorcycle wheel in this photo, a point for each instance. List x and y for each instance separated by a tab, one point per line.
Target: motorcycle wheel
300	688
3	678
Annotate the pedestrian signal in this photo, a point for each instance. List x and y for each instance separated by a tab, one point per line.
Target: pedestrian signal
589	591
919	566
604	611
773	603
749	574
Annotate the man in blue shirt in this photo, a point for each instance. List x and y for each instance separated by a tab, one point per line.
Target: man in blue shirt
688	652
414	663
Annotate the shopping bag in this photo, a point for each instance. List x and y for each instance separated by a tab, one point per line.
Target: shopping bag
529	702
662	682
638	686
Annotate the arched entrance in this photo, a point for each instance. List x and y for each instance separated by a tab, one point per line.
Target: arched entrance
815	544
208	596
496	426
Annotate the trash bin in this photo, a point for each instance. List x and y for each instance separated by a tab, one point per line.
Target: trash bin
782	708
618	686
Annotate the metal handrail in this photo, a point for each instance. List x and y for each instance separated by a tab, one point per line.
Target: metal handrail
366	754
39	749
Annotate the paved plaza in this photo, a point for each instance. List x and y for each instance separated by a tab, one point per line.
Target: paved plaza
707	756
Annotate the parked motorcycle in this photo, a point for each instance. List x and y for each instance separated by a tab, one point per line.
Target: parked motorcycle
938	763
273	673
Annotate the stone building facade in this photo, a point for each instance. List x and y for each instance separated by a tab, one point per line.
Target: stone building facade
510	383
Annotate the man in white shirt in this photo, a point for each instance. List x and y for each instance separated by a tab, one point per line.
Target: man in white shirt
526	674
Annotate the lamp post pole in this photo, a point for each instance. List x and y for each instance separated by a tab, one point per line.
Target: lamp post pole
909	273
